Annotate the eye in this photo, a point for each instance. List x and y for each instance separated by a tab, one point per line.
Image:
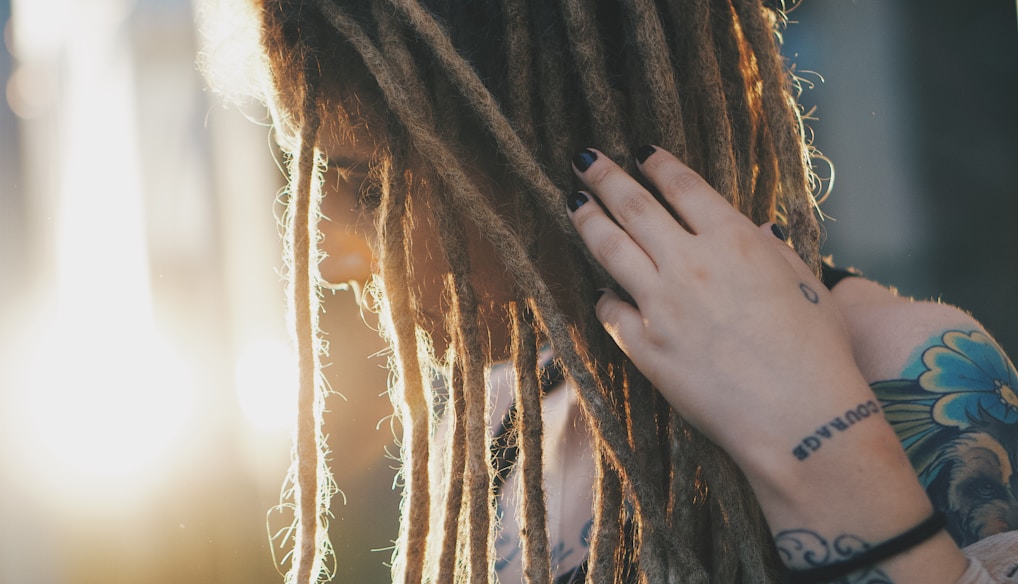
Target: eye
351	179
983	490
369	194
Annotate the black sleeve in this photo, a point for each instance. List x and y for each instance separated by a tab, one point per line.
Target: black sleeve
830	276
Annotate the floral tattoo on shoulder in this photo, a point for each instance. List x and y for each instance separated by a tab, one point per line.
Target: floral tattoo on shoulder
957	418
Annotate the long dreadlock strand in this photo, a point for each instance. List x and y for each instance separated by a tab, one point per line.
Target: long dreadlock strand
477	490
607	537
412	399
725	566
642	406
749	529
768	175
557	120
485	105
472	498
659	76
729	527
312	478
478	470
533	516
519	58
589	54
392	44
456	466
719	168
685	502
737	77
786	130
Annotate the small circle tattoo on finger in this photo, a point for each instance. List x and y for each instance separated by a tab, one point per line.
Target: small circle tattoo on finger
810	294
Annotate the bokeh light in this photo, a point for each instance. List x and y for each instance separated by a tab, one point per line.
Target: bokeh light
266	383
103	408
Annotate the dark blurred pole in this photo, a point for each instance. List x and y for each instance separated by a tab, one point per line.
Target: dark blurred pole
918	113
964	75
850	59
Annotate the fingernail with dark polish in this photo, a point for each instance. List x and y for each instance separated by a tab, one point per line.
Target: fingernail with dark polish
583	159
644	152
576	200
778	232
598	294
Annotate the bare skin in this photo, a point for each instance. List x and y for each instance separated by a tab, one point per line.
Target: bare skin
726	288
349	242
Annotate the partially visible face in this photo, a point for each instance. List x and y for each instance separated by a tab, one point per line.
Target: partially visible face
347	229
350	242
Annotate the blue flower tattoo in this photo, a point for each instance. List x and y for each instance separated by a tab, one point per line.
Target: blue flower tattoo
975	379
957	418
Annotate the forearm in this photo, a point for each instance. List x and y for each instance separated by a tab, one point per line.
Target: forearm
835	493
743	341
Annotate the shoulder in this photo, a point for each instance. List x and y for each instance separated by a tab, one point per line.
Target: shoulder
951	395
887	329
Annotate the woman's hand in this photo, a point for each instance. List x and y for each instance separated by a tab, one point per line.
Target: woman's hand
727	321
744	342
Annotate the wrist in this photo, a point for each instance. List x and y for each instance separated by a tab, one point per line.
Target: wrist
837	456
848	496
923	553
862	468
812	559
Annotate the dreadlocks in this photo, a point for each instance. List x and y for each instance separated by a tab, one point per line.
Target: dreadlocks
515	87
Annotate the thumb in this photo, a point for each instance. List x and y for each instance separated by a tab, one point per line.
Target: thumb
623	323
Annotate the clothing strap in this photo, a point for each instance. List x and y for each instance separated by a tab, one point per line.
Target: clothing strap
830	276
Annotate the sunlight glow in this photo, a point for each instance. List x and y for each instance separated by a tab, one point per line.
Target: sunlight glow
103	406
103	398
266	384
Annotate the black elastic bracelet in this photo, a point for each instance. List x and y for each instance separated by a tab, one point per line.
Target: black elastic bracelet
873	555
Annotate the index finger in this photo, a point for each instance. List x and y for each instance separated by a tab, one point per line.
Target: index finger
635	210
610	245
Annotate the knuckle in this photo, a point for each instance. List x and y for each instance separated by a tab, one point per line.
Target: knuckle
745	245
597	175
741	229
581	218
610	248
633	205
655	164
683	181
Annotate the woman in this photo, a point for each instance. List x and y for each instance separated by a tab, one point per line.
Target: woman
727	429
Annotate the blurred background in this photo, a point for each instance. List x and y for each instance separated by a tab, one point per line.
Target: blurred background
145	400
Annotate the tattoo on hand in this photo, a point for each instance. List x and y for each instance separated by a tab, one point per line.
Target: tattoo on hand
810	294
802	548
813	442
